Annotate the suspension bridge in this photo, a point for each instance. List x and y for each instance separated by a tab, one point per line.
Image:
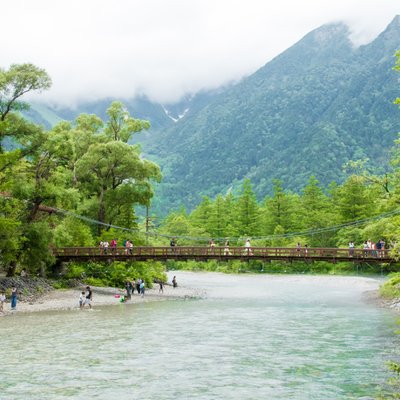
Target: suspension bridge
199	253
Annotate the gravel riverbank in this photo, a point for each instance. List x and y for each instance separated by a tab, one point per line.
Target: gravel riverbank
68	299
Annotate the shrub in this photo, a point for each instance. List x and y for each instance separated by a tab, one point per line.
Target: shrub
391	288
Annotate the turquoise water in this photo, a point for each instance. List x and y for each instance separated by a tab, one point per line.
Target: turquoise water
252	337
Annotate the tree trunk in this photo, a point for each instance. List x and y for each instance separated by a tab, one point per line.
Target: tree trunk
101	213
11	269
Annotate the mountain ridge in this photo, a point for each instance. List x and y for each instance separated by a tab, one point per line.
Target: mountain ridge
312	108
280	120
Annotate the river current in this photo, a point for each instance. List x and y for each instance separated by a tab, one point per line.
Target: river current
251	337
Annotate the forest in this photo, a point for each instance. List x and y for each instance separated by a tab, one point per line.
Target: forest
89	171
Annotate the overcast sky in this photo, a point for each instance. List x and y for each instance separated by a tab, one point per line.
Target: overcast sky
166	48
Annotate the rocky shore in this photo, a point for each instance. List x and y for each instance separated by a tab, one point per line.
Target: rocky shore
29	289
373	296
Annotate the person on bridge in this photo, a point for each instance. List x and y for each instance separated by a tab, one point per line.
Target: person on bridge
129	246
351	248
298	248
172	244
113	246
366	248
380	246
226	249
105	245
248	248
212	246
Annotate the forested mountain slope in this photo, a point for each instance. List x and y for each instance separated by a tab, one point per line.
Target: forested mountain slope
311	109
316	106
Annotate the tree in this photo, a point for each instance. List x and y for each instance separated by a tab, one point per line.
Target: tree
217	220
280	210
247	211
315	212
200	216
121	126
353	200
86	165
14	83
117	178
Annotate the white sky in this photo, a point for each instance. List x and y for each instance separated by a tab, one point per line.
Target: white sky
165	48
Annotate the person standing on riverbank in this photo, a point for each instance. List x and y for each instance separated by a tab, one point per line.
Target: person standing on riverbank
138	282
128	287
89	297
81	300
174	282
2	301
133	284
14	298
142	288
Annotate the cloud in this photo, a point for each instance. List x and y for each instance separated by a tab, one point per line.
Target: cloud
166	48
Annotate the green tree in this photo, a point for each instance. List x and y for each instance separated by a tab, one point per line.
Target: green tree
217	220
70	232
280	210
18	80
247	211
200	216
120	125
117	177
316	212
353	200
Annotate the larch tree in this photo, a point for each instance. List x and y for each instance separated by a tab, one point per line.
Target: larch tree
247	211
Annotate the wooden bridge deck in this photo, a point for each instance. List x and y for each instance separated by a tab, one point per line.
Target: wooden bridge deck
184	253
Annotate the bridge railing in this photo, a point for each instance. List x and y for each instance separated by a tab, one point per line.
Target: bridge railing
222	252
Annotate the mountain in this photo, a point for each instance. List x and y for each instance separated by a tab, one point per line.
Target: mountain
161	116
311	109
316	106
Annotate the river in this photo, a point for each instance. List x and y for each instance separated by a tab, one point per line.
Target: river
251	337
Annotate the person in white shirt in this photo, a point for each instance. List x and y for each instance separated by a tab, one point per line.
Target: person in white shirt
351	248
81	299
248	248
2	301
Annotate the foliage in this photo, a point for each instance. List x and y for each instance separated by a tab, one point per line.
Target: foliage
115	274
17	81
85	167
391	288
72	233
